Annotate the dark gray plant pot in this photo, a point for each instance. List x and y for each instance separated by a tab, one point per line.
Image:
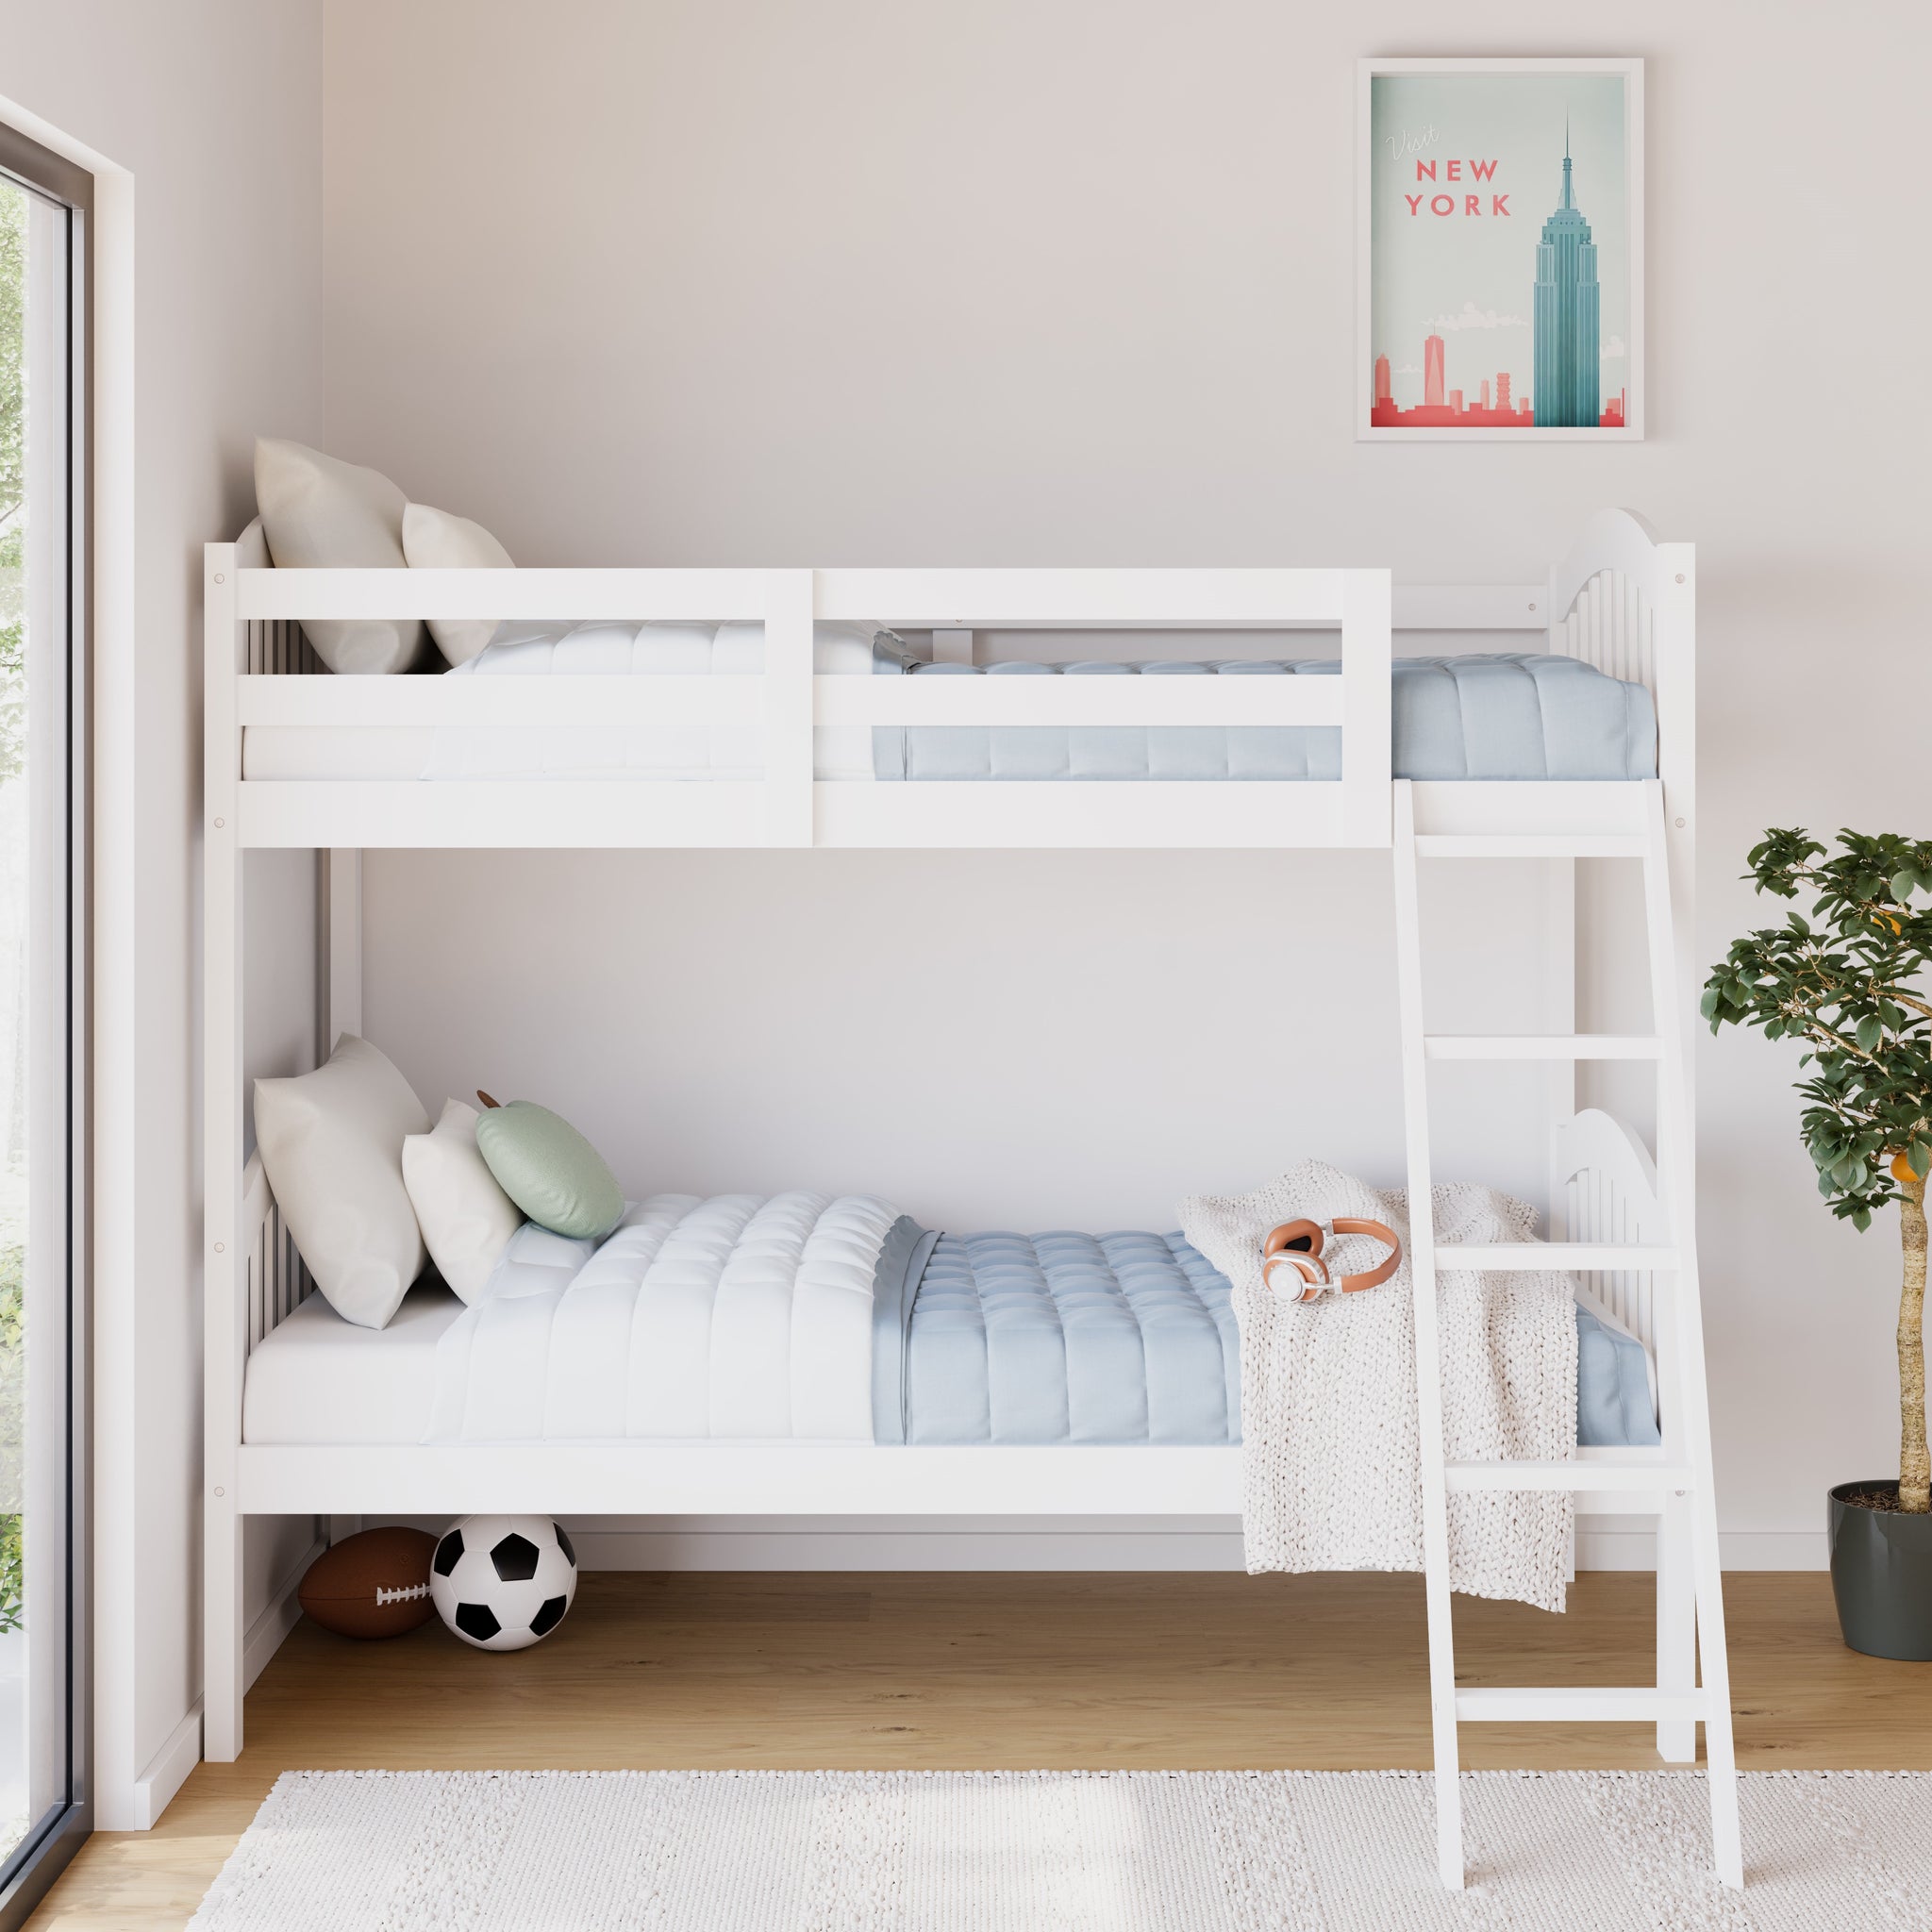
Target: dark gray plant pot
1881	1575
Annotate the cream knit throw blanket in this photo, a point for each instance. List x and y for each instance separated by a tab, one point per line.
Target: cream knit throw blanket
1331	1458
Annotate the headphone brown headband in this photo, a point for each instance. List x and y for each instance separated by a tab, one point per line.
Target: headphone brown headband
1293	1253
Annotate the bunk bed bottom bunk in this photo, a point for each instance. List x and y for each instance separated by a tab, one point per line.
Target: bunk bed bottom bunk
317	1380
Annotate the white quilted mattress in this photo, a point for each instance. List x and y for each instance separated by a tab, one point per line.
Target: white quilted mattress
733	1318
317	1378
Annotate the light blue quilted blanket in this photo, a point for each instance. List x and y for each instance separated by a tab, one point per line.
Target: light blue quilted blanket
1510	715
1112	1339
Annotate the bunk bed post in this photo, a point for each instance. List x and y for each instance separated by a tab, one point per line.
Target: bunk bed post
791	600
1674	622
223	1257
341	946
1366	652
340	998
1673	631
1428	1358
1681	1375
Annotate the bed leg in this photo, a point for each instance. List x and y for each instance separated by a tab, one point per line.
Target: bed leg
222	1632
1676	1625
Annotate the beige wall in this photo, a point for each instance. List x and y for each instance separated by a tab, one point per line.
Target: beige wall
215	110
719	282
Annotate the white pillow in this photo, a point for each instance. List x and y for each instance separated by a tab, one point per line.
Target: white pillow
466	1218
435	540
331	1143
320	514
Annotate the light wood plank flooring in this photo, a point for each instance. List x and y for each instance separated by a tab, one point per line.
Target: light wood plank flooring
1183	1672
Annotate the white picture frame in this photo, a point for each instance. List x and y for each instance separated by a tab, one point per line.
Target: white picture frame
1377	413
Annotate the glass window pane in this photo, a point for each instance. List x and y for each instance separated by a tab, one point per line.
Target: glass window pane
34	574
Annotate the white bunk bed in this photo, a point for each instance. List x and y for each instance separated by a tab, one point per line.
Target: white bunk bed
1620	601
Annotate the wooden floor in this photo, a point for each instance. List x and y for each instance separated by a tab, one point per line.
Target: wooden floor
1185	1671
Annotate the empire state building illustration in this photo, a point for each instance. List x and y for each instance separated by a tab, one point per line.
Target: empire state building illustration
1566	316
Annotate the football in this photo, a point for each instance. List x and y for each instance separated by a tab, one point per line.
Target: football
373	1583
502	1582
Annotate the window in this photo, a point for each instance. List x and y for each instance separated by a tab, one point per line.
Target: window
43	210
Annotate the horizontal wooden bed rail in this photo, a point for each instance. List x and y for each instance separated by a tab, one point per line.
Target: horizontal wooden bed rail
1079	701
1005	815
917	599
687	596
966	815
804	1479
598	702
1092	599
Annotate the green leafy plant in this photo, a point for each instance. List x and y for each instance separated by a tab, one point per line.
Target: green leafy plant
12	1576
1850	984
12	1366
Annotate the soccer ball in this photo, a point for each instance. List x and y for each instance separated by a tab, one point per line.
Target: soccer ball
501	1582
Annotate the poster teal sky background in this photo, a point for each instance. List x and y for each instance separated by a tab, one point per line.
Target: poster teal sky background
1467	278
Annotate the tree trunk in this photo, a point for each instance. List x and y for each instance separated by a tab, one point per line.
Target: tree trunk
1914	1467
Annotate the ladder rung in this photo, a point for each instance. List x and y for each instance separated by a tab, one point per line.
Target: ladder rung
1529	1258
1529	845
1566	1475
1634	1703
1542	1047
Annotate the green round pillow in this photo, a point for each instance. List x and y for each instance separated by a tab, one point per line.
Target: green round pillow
549	1170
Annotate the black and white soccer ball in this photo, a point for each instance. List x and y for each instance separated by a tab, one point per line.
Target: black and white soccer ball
502	1582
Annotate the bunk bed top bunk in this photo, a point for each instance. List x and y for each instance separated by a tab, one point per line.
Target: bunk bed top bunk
1619	608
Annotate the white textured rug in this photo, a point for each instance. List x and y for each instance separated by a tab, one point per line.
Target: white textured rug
762	1851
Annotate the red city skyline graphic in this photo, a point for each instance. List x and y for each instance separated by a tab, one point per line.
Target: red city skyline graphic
1442	408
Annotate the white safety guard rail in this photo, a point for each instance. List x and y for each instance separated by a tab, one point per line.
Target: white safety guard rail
789	806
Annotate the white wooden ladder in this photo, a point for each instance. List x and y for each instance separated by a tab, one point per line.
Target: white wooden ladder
1680	1484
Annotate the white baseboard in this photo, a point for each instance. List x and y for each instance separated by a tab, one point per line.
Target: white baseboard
856	1547
668	1543
1076	1543
276	1617
1633	1546
154	1789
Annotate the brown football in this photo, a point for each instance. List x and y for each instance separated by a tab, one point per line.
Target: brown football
373	1583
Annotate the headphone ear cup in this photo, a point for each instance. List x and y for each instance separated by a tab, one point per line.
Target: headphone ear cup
1297	1277
1295	1237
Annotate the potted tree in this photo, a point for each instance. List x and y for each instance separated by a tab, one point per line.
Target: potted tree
1850	984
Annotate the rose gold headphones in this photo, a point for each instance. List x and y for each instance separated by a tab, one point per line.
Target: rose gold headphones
1292	1266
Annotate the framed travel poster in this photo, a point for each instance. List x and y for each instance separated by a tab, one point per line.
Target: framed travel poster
1500	258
